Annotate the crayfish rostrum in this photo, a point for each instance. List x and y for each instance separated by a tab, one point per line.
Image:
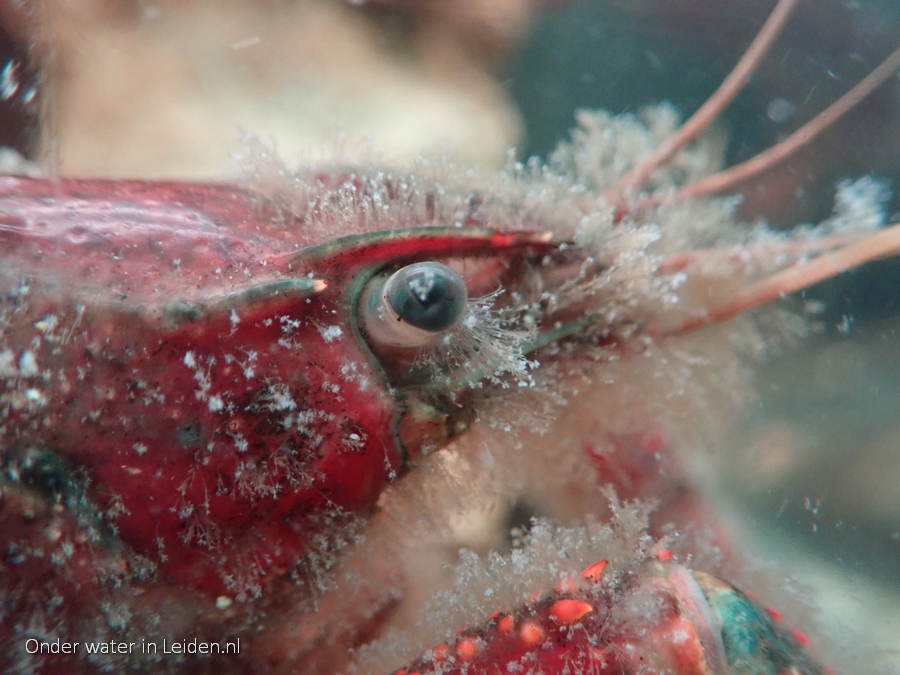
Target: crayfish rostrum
240	413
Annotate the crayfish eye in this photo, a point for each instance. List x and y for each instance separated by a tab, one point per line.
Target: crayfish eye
415	305
427	295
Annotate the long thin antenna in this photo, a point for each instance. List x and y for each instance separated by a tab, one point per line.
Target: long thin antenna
878	245
709	111
728	179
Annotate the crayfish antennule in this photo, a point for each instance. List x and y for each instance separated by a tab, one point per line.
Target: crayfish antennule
713	107
881	244
735	175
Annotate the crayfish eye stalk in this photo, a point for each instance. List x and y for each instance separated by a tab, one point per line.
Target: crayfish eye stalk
415	306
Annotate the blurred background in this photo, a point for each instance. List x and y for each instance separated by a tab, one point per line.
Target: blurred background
163	88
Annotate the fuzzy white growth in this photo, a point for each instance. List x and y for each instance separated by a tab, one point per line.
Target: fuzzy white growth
484	346
352	372
859	206
546	555
277	398
330	333
604	147
28	366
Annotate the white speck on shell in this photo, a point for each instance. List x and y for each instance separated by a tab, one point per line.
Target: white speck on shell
28	366
330	333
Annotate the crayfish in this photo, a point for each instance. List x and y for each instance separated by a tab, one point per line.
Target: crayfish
238	414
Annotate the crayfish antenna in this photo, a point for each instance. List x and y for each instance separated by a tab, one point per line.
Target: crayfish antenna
679	262
876	246
691	130
729	178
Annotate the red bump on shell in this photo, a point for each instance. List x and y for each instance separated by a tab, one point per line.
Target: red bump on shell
532	634
569	611
467	648
595	572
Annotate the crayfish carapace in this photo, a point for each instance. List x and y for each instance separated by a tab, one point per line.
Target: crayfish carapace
207	389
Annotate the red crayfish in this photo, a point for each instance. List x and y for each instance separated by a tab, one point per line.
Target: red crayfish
210	393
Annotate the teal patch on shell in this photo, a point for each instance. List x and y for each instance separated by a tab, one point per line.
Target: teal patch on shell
754	643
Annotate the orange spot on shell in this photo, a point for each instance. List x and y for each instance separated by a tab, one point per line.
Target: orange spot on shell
532	634
569	611
774	613
663	555
506	625
595	572
801	637
467	648
441	652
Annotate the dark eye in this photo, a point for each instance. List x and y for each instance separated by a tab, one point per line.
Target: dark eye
415	305
427	295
